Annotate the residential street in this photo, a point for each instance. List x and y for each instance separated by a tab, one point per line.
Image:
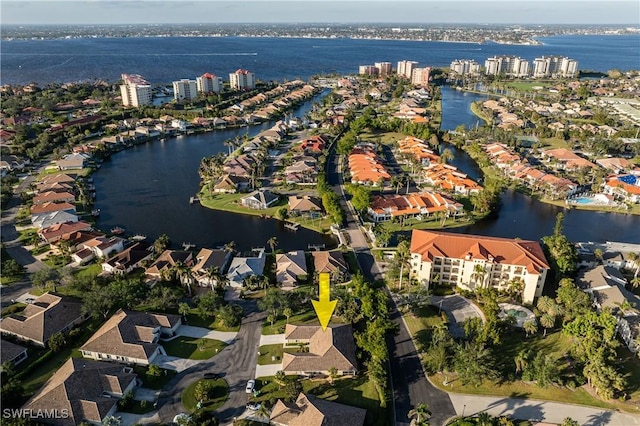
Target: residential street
237	362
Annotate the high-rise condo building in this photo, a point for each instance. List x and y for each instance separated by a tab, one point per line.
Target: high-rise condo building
554	66
465	67
384	68
135	90
508	65
185	90
420	77
367	70
242	80
209	83
405	68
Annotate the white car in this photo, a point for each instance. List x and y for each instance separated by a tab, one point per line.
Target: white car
251	384
253	406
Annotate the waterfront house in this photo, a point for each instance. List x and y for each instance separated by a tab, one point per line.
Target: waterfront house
12	353
101	246
290	267
209	260
54	233
243	267
308	410
130	258
82	392
327	349
332	263
167	262
74	161
625	187
562	158
473	261
57	178
50	207
47	220
45	316
260	199
53	197
231	184
131	337
305	205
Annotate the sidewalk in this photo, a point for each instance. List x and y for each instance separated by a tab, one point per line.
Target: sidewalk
199	332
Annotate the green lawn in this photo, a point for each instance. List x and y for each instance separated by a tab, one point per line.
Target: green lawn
217	396
308	317
231	203
321	225
90	271
432	223
420	325
151	382
196	320
193	348
269	351
553	143
138	407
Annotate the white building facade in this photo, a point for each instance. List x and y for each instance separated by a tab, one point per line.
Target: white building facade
135	90
209	83
242	80
185	90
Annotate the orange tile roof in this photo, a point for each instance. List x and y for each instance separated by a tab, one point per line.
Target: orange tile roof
366	166
431	244
408	204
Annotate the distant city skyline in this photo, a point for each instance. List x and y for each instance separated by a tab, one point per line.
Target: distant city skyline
39	12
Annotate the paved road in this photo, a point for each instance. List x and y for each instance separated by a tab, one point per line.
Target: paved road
550	412
410	386
237	362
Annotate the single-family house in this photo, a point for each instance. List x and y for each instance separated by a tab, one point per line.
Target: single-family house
82	392
54	233
328	349
308	410
168	260
12	353
290	267
244	267
305	205
131	337
53	197
231	184
210	260
102	246
72	162
331	262
45	316
128	259
50	208
46	220
260	199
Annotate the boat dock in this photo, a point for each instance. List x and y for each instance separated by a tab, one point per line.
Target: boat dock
316	247
188	246
193	199
291	226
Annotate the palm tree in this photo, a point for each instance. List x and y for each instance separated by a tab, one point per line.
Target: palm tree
420	415
229	143
213	274
547	321
287	312
478	274
263	411
230	247
184	309
484	419
522	360
530	327
446	156
635	261
272	243
598	254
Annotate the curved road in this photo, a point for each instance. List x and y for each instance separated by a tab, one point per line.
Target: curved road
410	385
237	362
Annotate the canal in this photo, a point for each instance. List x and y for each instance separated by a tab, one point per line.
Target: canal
521	216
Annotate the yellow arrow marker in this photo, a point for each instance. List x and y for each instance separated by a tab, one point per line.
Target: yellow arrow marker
324	307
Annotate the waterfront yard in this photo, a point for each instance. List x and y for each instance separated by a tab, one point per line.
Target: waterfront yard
193	348
231	203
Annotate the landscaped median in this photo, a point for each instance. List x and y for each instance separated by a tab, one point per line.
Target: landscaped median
193	347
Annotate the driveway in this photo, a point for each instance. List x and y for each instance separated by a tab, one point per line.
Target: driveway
271	339
200	332
458	309
175	363
267	370
544	411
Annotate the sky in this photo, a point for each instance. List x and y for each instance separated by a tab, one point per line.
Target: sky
301	11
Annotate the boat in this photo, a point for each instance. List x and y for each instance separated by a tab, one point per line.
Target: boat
117	230
139	237
95	212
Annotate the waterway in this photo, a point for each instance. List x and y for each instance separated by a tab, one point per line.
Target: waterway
522	216
146	189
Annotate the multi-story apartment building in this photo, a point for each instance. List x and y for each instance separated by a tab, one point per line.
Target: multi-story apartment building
508	65
242	80
209	83
368	70
420	76
405	68
135	90
384	68
465	67
554	66
472	262
185	90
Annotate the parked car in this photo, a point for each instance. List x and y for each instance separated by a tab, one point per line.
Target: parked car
253	406
212	376
251	385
